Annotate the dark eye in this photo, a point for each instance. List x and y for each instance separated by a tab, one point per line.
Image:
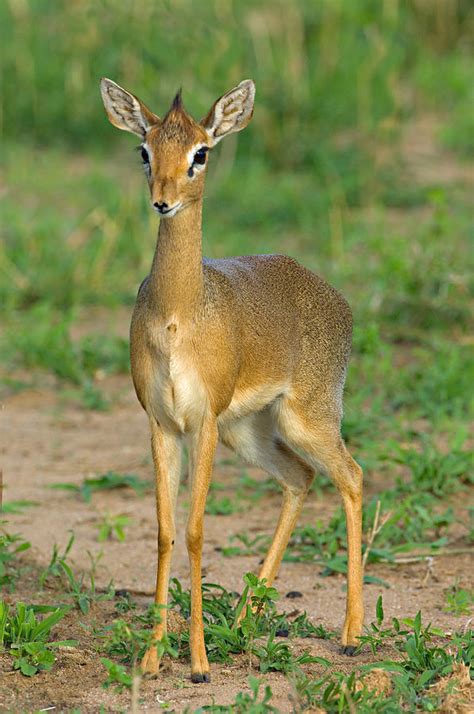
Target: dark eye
145	157
200	155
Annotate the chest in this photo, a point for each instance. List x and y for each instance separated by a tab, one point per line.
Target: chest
175	391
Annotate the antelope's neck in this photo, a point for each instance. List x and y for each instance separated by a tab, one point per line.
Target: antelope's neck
176	280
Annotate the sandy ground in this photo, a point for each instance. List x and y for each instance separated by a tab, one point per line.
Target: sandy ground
47	439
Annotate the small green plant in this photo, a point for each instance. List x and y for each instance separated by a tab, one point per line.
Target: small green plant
248	545
11	545
128	641
106	482
247	624
376	634
410	521
255	607
124	602
276	656
459	601
26	638
319	543
300	626
218	615
422	659
273	656
432	471
254	489
470	524
336	692
224	506
118	676
17	506
253	702
55	568
110	526
397	633
59	569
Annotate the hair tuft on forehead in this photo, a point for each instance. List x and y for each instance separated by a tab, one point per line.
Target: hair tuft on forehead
177	104
178	126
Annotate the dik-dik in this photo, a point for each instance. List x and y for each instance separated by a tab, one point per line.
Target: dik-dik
251	351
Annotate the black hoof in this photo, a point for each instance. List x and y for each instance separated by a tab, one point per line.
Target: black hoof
199	678
349	650
293	594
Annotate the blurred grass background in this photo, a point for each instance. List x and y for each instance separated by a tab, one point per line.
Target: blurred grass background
358	162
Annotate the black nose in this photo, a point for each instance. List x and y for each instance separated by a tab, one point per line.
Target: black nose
161	206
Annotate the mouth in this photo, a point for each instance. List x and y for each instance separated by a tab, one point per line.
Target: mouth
168	212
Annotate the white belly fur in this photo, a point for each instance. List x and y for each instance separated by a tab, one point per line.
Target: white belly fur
250	400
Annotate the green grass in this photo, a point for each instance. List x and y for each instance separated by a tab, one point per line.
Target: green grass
257	701
80	589
351	59
421	654
105	482
11	546
224	506
25	637
112	526
336	86
17	506
459	601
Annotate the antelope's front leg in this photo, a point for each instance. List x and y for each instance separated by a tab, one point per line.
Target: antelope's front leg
203	448
166	450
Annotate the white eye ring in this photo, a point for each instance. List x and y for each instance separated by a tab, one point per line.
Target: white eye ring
146	163
192	153
198	159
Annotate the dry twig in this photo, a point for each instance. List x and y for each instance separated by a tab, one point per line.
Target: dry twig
374	531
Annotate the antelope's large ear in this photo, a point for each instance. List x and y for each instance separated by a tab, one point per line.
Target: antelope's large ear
124	110
232	112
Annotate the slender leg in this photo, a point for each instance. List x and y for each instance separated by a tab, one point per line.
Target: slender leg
352	499
296	477
291	508
254	437
166	450
203	449
323	447
347	476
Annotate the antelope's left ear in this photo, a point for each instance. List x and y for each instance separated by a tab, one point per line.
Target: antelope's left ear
232	112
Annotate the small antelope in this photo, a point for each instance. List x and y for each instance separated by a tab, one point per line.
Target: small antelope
251	351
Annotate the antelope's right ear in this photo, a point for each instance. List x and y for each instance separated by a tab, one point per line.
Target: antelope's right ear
125	111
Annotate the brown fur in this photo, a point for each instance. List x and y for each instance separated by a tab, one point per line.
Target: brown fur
251	350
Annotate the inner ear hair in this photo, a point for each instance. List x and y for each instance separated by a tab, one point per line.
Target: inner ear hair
232	112
125	110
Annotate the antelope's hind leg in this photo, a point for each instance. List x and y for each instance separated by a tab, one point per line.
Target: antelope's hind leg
254	437
295	478
166	451
318	437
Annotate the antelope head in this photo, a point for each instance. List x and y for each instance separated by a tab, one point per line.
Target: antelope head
175	149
